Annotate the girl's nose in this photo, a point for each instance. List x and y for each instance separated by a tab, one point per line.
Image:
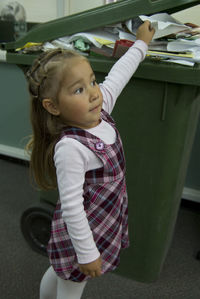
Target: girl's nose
94	94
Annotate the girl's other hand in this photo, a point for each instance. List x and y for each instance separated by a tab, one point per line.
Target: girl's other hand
145	32
92	269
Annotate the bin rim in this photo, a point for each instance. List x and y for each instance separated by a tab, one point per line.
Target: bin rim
149	69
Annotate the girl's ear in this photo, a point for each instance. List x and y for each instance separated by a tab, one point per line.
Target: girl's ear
49	105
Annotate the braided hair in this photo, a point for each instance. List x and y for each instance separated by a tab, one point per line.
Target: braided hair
45	79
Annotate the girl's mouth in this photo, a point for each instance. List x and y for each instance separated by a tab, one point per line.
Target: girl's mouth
95	108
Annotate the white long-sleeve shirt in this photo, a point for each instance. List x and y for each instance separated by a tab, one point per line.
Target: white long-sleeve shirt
73	159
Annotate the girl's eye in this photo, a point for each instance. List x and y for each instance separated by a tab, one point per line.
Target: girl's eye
93	83
79	90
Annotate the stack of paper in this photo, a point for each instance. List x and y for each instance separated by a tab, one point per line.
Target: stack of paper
173	41
96	39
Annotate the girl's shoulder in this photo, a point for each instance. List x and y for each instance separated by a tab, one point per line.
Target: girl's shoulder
74	154
68	144
71	151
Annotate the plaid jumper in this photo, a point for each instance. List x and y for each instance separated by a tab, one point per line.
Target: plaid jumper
105	203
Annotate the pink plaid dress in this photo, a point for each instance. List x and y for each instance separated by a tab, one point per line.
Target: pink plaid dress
106	206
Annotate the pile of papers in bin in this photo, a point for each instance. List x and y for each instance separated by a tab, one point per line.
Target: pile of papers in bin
173	41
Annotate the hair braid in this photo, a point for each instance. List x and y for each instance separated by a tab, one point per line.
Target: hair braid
45	81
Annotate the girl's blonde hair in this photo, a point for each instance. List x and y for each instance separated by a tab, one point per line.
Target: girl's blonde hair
45	79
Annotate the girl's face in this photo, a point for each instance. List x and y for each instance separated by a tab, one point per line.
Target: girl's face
80	99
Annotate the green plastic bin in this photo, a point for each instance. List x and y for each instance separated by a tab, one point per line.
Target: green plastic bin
157	115
191	189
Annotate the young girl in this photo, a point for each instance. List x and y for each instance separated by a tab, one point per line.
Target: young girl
77	149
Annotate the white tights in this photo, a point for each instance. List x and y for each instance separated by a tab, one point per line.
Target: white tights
53	287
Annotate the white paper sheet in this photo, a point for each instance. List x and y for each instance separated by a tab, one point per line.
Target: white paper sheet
90	37
3	55
164	24
183	45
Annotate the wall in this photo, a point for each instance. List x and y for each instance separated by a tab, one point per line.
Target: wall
75	6
46	10
37	10
189	15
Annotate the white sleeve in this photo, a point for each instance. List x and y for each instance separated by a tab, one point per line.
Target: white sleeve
71	164
121	73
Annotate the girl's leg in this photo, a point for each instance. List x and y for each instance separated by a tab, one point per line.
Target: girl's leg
48	285
67	289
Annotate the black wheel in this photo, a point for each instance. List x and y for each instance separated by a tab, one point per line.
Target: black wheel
198	255
36	227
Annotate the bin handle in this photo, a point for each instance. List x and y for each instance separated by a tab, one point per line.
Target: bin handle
152	2
164	104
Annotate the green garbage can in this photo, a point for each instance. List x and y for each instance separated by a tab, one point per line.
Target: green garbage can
191	189
157	115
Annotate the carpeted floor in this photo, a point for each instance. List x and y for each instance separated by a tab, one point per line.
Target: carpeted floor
21	268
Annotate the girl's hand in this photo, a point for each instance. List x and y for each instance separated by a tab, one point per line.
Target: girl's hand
92	269
145	32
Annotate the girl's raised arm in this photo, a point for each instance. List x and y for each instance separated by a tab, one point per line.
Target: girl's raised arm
125	67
